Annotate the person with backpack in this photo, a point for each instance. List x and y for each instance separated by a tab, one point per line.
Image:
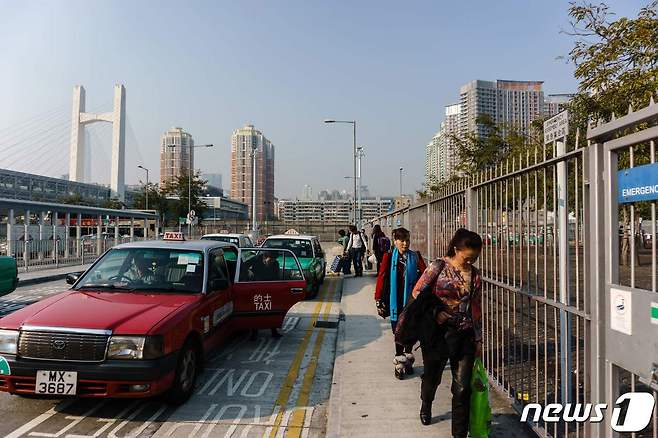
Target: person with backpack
456	335
345	261
380	244
400	269
355	249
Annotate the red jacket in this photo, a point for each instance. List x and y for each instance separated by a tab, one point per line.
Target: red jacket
385	269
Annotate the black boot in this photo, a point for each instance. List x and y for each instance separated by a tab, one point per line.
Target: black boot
426	413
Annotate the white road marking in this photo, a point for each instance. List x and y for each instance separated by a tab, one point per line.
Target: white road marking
38	420
220	414
76	420
109	422
210	381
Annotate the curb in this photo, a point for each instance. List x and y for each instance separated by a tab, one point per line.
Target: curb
334	407
50	277
44	279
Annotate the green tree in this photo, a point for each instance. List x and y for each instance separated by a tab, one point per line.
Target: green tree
617	65
179	191
112	203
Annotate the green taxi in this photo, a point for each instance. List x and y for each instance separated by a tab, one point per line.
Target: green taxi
8	275
310	256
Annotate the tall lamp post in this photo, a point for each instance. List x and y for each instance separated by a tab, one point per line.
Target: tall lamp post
401	169
146	187
360	155
253	190
189	183
353	122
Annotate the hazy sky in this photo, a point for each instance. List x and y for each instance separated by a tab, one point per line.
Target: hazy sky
284	66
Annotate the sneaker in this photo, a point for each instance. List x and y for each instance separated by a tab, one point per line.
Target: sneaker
409	364
400	365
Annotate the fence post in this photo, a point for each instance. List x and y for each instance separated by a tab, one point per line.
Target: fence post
595	222
26	254
429	231
562	223
56	252
471	209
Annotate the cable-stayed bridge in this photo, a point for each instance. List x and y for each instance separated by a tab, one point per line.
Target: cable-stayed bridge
60	142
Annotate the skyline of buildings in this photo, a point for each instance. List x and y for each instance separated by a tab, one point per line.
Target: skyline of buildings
334	211
176	154
508	103
243	141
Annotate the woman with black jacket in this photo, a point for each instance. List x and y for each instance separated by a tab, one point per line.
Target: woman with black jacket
457	334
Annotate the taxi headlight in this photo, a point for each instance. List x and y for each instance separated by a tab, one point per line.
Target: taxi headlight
135	347
8	341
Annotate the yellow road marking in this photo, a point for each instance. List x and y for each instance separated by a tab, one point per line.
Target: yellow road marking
293	371
297	420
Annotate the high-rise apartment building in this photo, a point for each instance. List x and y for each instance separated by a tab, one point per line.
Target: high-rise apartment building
176	155
555	103
243	142
441	153
510	103
337	211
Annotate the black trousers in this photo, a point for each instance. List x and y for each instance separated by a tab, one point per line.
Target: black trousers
356	255
400	349
461	366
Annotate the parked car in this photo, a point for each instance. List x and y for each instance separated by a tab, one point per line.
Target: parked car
239	240
8	275
310	255
141	319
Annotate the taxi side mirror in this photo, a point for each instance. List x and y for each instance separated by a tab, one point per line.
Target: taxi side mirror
219	284
73	277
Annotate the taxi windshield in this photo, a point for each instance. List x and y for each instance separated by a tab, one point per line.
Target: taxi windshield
227	239
301	247
147	269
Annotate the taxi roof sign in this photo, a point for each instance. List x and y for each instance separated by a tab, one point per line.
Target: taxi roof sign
292	232
173	235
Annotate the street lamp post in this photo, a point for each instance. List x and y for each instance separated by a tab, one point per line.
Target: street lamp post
146	188
189	183
401	169
353	122
253	190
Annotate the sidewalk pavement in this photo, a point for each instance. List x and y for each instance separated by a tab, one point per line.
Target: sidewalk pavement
45	275
366	398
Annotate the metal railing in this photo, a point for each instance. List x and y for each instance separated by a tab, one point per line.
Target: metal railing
542	299
37	254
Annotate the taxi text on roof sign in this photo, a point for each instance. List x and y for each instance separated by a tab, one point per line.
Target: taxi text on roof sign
638	184
173	235
292	232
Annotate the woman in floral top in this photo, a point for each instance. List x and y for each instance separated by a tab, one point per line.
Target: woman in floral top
458	285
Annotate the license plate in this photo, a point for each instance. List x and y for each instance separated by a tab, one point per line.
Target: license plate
56	382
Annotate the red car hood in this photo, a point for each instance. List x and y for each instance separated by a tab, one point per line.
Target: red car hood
123	313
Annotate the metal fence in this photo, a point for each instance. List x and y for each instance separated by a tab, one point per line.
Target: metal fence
32	255
552	245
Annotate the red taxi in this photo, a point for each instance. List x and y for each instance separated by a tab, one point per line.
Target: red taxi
140	320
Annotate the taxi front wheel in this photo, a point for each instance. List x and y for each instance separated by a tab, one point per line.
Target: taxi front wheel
187	370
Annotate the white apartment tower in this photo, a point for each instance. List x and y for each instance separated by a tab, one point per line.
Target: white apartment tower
555	103
510	103
176	155
441	154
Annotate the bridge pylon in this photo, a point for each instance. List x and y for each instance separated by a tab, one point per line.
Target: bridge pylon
117	118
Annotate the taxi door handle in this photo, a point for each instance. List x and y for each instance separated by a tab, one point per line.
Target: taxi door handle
296	290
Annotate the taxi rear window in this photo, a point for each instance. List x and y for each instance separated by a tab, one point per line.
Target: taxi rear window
147	269
301	247
227	239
